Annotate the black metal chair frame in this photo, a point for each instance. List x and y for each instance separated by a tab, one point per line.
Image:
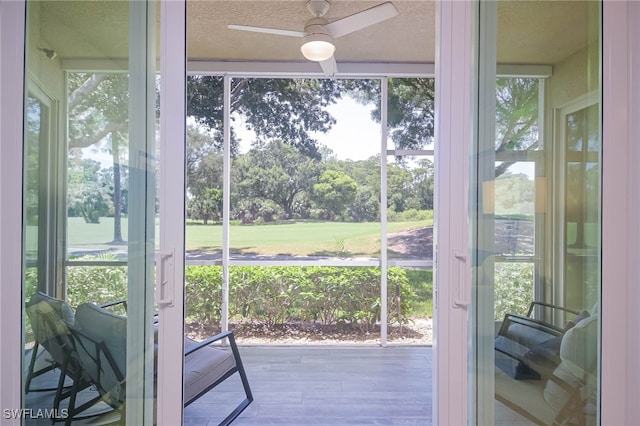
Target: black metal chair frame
99	347
573	407
69	367
239	368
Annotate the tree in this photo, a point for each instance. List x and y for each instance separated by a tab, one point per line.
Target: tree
334	192
423	186
515	194
98	106
117	141
516	117
411	109
275	171
399	187
284	108
366	206
203	162
207	206
108	182
86	195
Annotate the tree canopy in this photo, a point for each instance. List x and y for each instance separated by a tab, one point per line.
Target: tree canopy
276	171
274	108
410	108
287	173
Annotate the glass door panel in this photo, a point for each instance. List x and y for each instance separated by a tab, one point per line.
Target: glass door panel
90	208
537	232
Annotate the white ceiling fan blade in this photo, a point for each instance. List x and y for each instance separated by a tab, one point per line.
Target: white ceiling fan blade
275	31
361	20
329	67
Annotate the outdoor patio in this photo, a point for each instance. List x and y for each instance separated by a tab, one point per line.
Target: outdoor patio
313	385
310	385
320	385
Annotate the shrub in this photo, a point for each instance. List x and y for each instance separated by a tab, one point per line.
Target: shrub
98	284
273	295
203	294
410	215
262	295
513	288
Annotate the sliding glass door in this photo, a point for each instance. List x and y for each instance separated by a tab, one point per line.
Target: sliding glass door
96	221
537	209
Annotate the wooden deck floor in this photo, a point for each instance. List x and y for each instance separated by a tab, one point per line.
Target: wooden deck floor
312	385
319	385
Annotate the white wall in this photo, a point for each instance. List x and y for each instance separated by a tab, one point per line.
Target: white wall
11	107
620	388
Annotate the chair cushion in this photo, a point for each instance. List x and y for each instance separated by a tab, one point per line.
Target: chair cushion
111	329
107	326
204	367
545	355
532	360
578	354
50	318
60	307
526	335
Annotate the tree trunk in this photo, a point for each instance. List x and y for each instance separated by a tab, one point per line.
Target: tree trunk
117	191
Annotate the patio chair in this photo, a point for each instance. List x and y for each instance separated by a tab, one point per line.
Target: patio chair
100	338
63	313
50	321
546	373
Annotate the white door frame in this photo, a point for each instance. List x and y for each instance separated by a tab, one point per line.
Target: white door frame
620	341
12	44
170	261
12	74
621	185
452	271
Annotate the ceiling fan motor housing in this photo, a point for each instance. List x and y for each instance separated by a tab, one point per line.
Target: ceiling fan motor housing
316	26
318	7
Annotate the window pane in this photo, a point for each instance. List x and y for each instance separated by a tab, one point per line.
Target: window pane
539	223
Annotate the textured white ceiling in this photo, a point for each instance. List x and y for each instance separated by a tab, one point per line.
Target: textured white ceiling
529	32
408	37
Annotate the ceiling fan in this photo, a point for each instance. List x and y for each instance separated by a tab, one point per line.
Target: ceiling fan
319	33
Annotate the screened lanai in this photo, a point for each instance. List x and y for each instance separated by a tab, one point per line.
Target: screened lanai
329	254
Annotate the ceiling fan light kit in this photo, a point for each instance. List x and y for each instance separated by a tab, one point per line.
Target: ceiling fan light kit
317	47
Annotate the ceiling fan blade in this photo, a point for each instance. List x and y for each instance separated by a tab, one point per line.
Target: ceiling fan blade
275	31
361	20
329	67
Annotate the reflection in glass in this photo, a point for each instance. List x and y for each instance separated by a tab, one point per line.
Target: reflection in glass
35	162
582	204
89	213
545	264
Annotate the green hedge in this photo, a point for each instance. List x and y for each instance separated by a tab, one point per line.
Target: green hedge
264	295
273	295
513	288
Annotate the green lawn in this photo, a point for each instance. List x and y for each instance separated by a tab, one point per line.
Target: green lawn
290	238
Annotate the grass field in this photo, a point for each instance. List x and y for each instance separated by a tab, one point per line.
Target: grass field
289	238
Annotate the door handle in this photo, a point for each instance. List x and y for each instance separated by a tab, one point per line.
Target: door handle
463	296
165	278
